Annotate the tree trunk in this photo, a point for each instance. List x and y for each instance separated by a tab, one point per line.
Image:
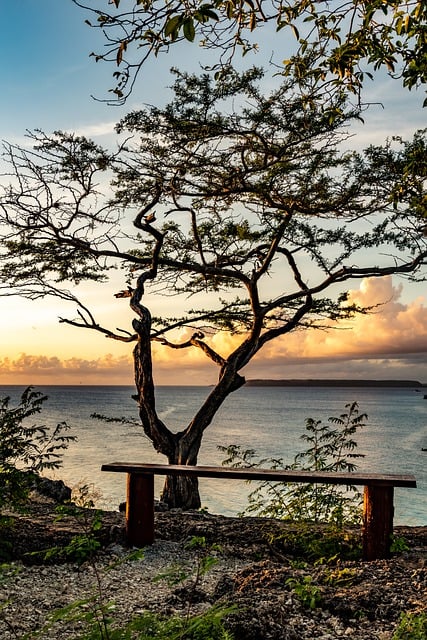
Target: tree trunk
179	448
180	491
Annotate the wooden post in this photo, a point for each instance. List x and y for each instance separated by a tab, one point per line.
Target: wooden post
140	509
377	521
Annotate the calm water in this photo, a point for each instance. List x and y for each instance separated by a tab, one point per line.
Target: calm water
270	420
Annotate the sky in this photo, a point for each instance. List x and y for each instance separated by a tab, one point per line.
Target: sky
48	81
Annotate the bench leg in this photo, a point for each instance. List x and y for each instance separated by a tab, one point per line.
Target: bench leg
140	509
377	522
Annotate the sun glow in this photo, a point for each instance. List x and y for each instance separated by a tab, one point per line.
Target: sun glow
37	350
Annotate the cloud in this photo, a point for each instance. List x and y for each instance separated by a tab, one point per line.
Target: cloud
391	328
390	342
96	130
394	327
38	369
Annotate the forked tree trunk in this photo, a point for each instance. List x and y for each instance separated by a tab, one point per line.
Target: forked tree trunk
181	491
179	448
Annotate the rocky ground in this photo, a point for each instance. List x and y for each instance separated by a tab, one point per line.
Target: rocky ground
259	567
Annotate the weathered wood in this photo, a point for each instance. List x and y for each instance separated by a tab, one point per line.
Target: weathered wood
378	511
378	507
140	509
324	477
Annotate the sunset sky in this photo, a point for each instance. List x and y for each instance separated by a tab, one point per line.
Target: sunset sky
47	80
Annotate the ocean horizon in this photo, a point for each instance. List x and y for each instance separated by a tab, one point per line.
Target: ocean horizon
264	382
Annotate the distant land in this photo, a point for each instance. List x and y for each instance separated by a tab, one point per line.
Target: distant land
334	383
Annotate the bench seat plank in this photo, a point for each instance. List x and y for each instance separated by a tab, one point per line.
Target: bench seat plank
250	473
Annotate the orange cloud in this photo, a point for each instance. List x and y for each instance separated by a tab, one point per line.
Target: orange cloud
392	328
38	369
395	327
390	342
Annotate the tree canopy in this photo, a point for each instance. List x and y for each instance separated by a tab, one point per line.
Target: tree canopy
338	42
244	205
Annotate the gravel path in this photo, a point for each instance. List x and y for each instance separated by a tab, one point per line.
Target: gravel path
354	600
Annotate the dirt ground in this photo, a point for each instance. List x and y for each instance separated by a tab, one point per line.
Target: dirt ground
353	599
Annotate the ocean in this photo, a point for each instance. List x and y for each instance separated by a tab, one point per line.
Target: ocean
270	420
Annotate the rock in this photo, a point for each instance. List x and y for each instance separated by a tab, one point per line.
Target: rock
55	489
158	506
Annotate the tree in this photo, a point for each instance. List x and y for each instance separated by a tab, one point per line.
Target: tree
243	202
334	42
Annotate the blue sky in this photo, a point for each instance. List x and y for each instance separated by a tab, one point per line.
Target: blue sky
45	68
48	76
47	80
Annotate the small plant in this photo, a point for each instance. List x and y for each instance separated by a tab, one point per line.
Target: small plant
80	549
399	545
308	593
298	563
341	577
84	546
206	559
209	625
151	626
96	615
147	626
329	448
190	576
318	544
412	626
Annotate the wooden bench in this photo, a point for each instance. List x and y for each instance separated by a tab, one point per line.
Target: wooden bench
378	506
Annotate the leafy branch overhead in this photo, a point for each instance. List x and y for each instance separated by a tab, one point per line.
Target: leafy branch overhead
337	42
241	206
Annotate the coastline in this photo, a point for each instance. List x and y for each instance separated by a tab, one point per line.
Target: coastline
331	382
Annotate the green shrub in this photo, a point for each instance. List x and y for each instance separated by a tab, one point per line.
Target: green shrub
330	447
26	449
206	626
308	593
398	545
344	577
84	546
147	626
412	626
319	544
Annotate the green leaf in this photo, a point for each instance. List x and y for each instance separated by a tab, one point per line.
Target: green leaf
206	10
189	30
172	26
